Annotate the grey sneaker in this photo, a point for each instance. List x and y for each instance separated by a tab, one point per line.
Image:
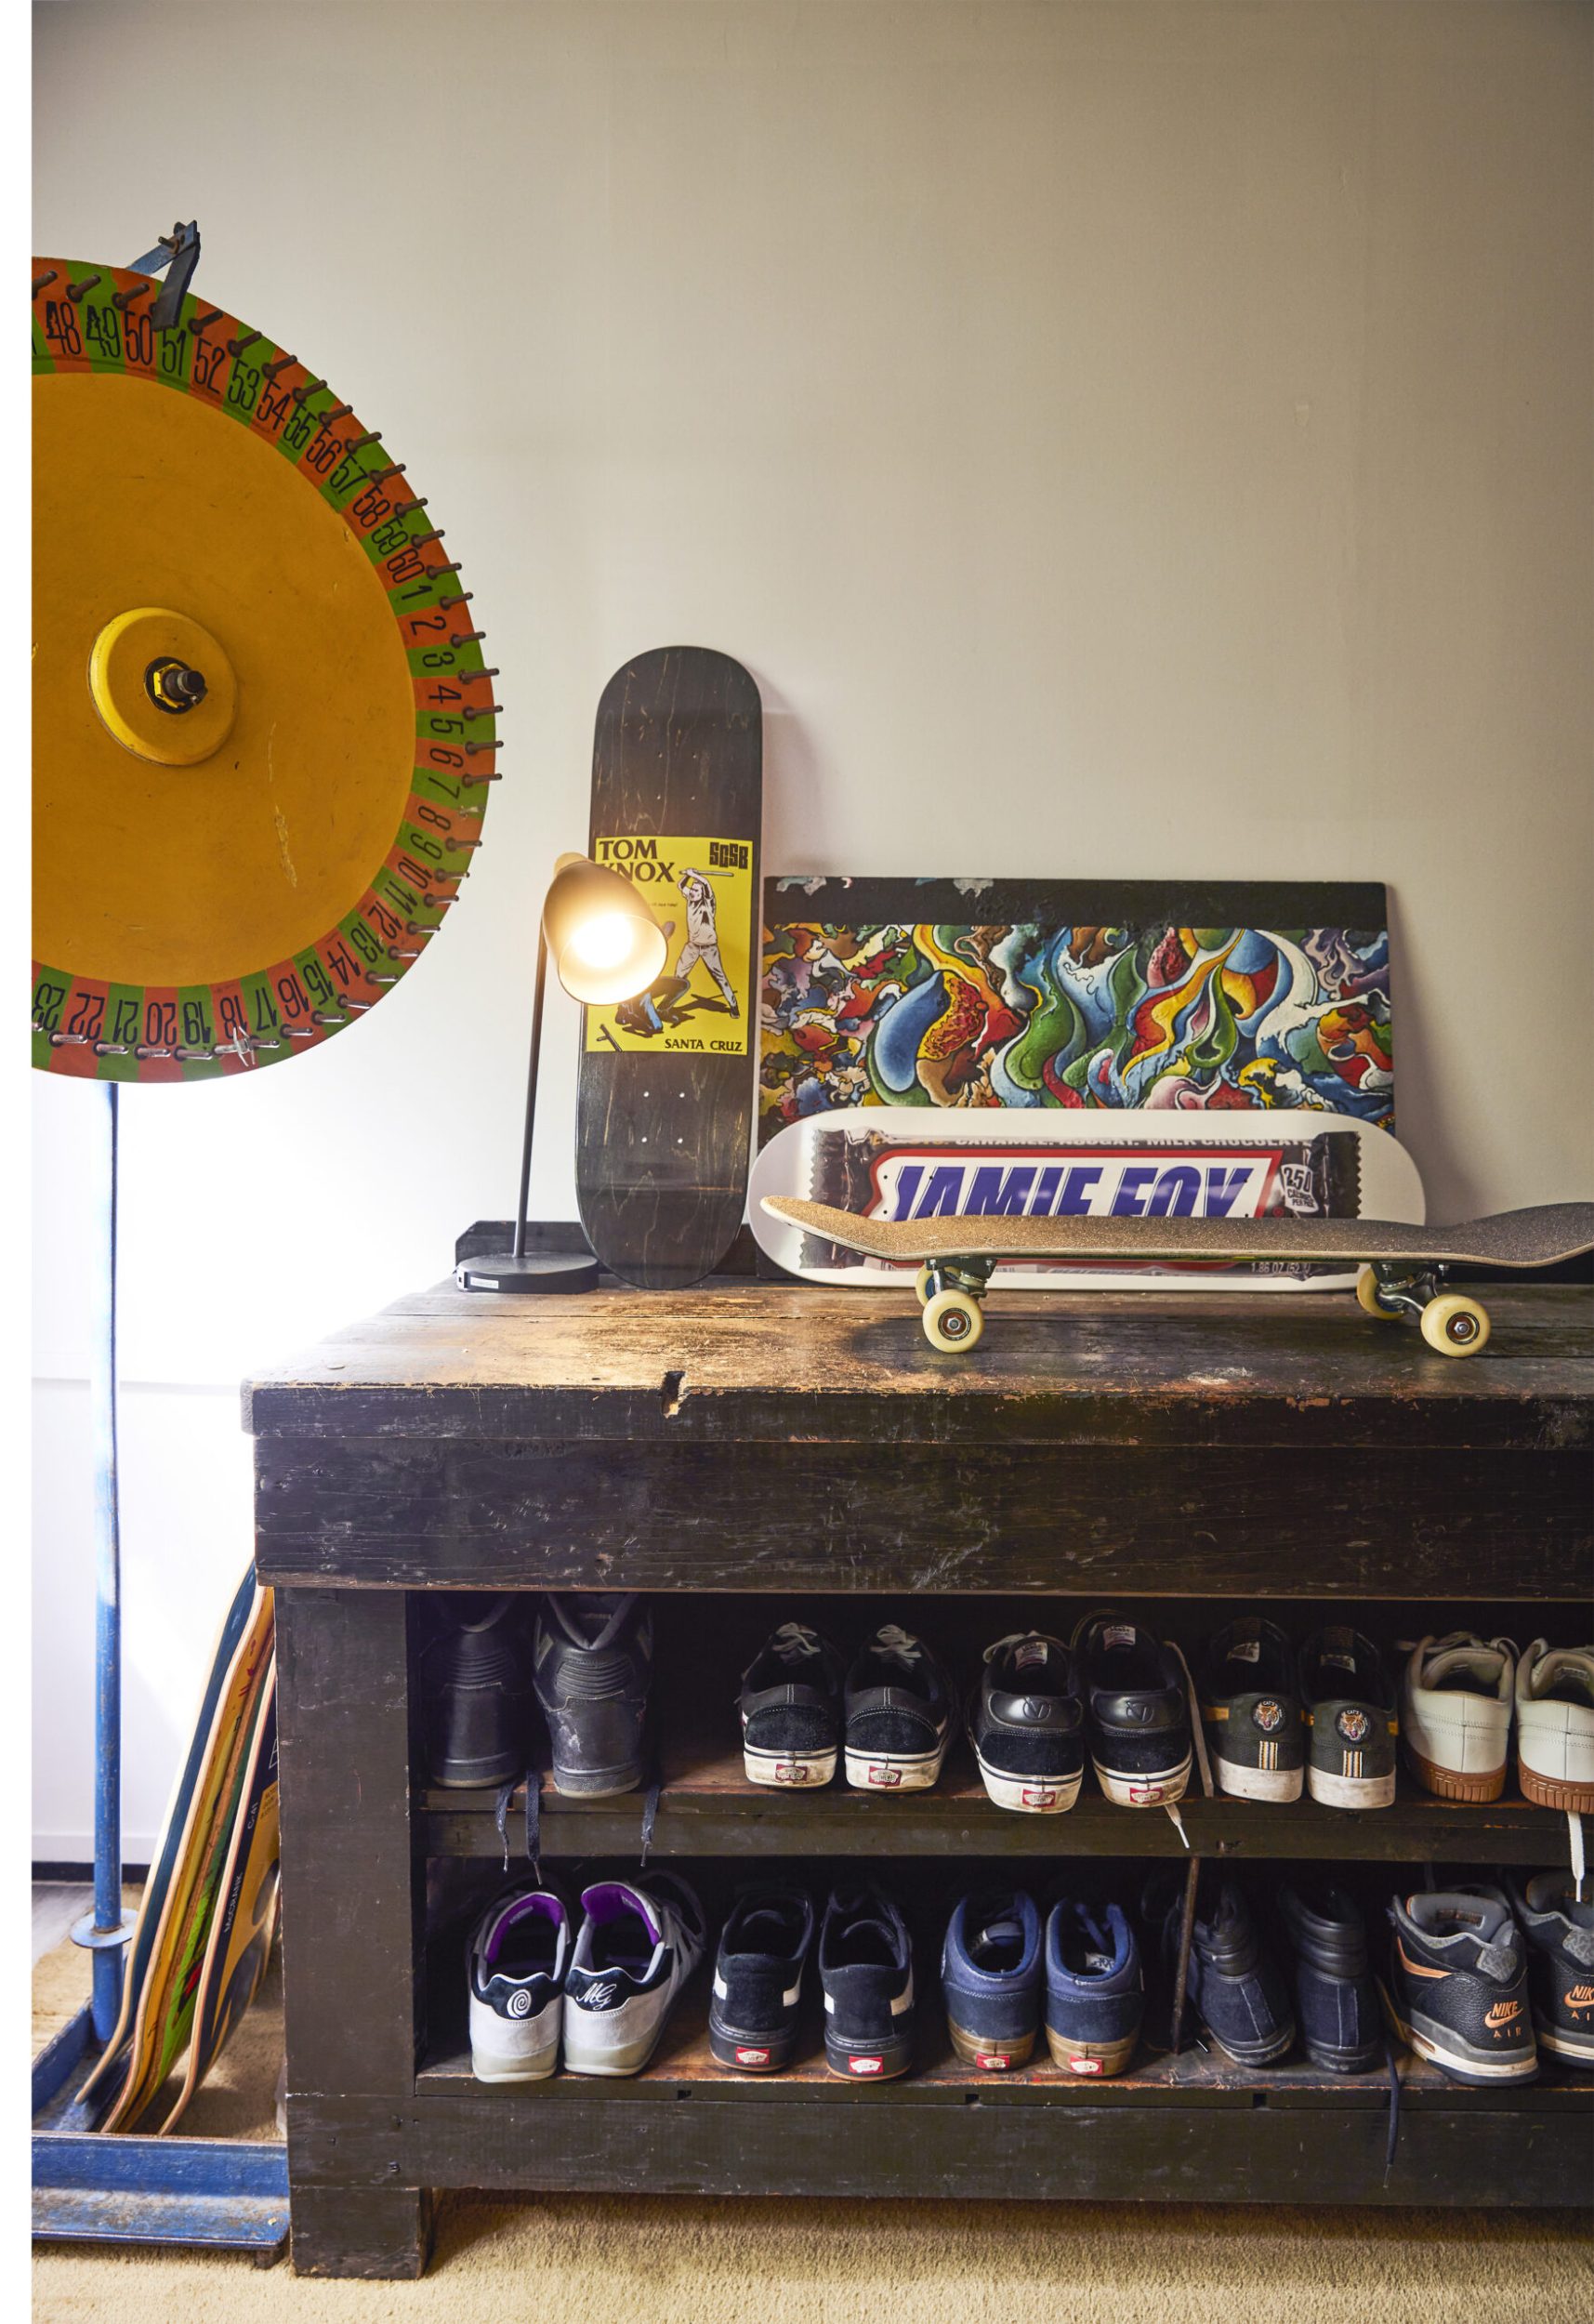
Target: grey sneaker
1351	1719
636	1948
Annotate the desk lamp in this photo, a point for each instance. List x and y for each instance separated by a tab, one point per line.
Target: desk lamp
606	947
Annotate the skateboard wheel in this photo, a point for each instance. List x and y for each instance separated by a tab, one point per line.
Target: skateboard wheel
1367	1296
924	1284
1455	1325
952	1320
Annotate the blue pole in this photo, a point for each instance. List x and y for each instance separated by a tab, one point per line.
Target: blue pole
107	1987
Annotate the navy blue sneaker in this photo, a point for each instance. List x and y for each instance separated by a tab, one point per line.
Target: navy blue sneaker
1095	1990
1458	1986
867	1972
991	1979
899	1713
1235	1987
1335	1999
758	1980
791	1709
1026	1721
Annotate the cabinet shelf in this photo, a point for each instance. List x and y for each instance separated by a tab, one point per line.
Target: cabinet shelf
707	1808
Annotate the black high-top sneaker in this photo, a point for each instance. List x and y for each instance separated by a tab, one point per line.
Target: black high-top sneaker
477	1696
1235	1987
1336	2000
1559	1933
593	1667
899	1714
791	1708
1458	1987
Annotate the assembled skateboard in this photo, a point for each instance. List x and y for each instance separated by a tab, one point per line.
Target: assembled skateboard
664	1095
889	1162
1401	1268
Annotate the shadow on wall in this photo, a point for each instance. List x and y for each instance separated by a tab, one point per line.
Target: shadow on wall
1425	1107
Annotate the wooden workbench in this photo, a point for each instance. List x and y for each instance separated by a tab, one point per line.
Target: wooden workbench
805	1448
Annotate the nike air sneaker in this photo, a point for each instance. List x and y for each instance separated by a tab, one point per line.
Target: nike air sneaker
991	1979
791	1709
1137	1714
519	1950
866	1975
758	1980
1559	1933
1026	1721
636	1948
1456	1714
1351	1719
1250	1710
1457	1988
1336	1999
477	1699
1234	1985
593	1666
1555	1726
899	1714
1095	1989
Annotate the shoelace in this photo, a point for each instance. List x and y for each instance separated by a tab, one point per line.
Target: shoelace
794	1643
892	1644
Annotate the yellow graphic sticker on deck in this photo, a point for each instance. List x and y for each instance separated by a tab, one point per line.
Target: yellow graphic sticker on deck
701	893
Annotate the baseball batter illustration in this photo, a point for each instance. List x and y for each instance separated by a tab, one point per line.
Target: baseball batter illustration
702	935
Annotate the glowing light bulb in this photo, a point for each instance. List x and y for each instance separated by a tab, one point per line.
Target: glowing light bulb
603	943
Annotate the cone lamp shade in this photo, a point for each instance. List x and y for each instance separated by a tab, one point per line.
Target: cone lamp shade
605	944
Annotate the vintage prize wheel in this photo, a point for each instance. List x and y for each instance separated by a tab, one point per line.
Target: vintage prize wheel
263	731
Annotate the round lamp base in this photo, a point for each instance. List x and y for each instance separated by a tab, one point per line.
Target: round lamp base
541	1271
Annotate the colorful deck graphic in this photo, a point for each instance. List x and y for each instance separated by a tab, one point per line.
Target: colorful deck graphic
700	890
940	993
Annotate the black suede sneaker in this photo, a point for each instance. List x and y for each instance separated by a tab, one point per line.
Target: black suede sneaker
866	1972
1026	1721
593	1667
1335	1999
478	1696
1457	1988
791	1709
1137	1714
1235	1987
1250	1709
899	1714
1559	1933
1350	1703
758	1980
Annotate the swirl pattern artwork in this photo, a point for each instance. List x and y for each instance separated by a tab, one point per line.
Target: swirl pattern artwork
1073	995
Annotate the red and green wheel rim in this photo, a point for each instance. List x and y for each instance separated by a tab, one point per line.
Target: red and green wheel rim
212	906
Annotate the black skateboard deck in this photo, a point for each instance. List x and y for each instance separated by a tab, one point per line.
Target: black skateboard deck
664	1095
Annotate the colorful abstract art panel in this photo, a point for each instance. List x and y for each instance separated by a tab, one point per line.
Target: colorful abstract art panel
1073	994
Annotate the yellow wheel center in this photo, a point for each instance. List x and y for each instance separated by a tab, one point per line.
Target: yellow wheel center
182	847
163	686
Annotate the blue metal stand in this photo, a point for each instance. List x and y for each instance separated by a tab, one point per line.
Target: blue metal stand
100	2186
107	1928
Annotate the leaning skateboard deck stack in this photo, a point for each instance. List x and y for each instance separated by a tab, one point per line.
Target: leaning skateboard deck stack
208	1912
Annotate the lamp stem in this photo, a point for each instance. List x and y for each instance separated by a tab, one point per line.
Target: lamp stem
531	1093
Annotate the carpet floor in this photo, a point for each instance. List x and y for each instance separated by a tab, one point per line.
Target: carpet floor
585	2260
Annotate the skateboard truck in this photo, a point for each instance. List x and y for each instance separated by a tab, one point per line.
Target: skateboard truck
951	1292
1451	1323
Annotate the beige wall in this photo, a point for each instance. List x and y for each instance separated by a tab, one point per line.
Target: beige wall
1121	438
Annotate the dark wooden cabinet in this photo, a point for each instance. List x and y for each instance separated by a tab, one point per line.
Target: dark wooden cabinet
748	1442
